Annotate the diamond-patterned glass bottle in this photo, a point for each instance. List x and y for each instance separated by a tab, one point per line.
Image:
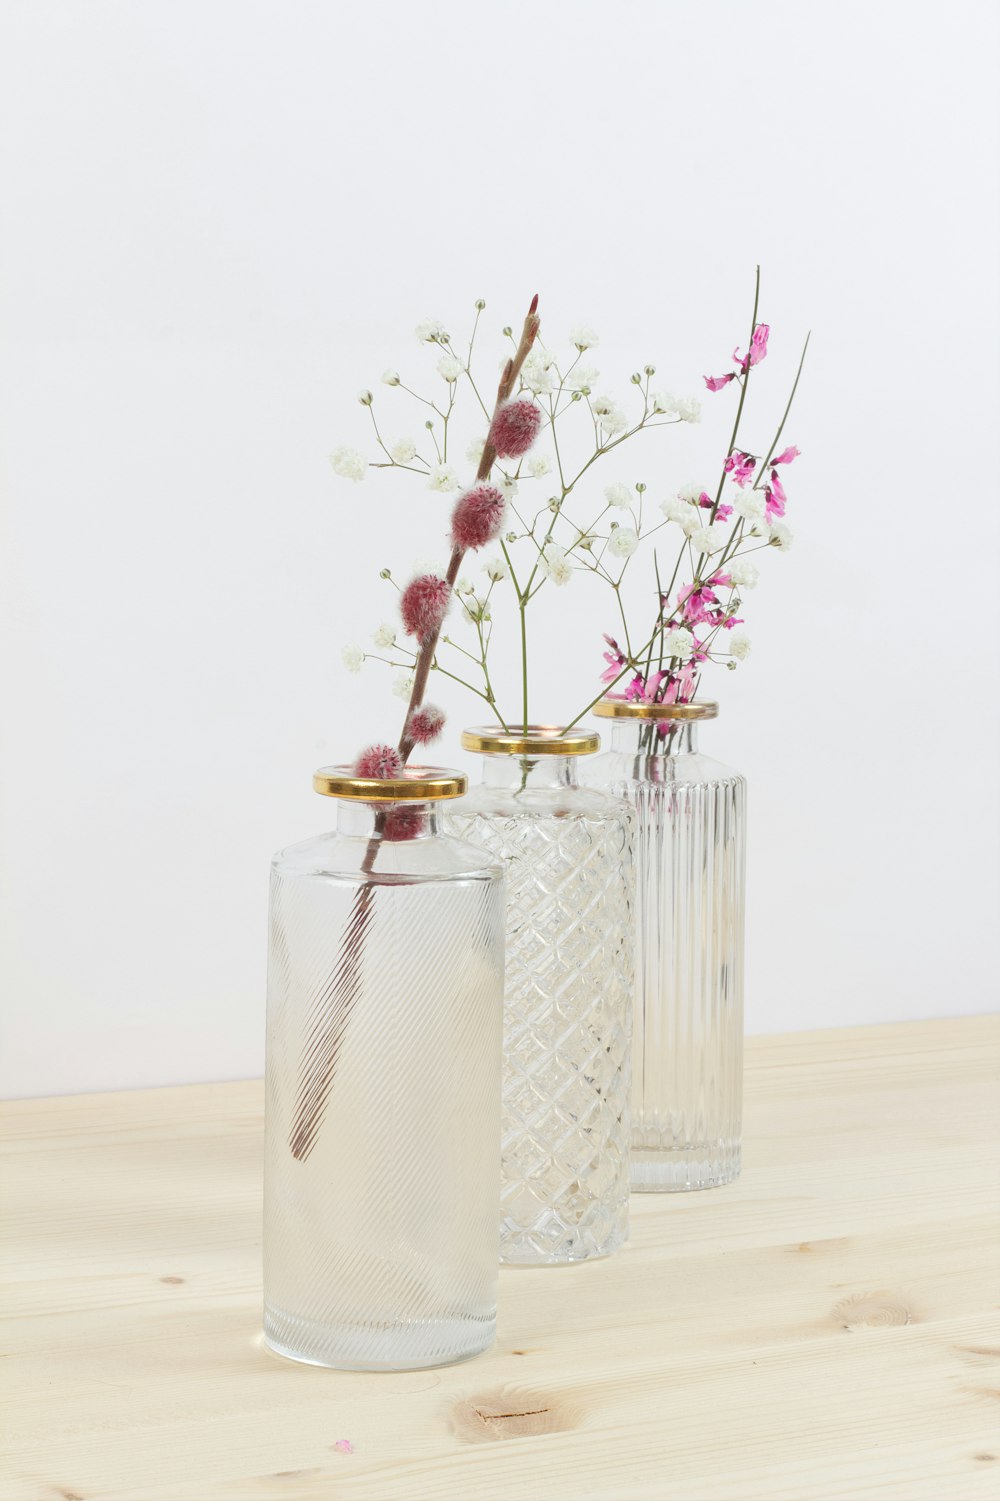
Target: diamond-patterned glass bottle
568	991
687	1061
384	1032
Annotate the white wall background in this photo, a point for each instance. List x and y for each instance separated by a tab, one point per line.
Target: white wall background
223	218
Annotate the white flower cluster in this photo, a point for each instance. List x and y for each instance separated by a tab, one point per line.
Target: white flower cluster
688	517
678	643
582	378
403	451
348	463
539	372
442	477
619	496
610	418
583	337
352	657
743	573
496	569
431	331
709	539
623	541
555	564
739	645
687	408
450	367
385	636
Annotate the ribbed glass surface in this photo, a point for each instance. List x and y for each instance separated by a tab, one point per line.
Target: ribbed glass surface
567	1010
688	1032
383	1104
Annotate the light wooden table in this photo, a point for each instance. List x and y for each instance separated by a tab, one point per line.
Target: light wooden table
825	1328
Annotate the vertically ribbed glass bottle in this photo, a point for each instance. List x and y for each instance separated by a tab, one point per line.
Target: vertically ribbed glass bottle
687	1061
384	1030
568	997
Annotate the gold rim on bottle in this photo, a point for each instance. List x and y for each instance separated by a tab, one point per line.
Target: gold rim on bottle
530	740
620	708
419	784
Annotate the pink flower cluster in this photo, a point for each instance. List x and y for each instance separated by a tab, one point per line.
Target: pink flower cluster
424	604
424	723
477	517
753	356
702	606
515	427
775	496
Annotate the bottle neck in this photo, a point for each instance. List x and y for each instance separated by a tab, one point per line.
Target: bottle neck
390	821
518	772
650	737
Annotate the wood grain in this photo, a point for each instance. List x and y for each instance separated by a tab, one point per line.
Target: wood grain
825	1328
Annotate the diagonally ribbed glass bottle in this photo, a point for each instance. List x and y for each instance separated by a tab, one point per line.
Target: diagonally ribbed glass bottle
384	1033
687	1060
568	999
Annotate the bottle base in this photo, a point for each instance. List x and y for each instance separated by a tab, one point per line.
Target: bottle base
413	1346
683	1170
528	1250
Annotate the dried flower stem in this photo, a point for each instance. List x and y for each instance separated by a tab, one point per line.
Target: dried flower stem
508	379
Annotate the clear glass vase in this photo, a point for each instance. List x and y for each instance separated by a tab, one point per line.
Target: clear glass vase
687	1060
568	992
384	1035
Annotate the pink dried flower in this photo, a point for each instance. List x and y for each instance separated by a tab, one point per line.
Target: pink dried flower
424	604
477	517
425	723
382	761
741	466
757	350
786	456
616	660
706	502
515	427
404	821
716	382
344	1446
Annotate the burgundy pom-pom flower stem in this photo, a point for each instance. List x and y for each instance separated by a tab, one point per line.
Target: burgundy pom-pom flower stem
332	1008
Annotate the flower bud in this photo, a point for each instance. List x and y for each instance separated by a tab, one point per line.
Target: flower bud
650	369
636	379
507	332
480	304
385	574
366	398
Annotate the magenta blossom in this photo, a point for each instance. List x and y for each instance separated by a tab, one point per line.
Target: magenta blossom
706	502
757	350
477	517
381	761
740	466
716	382
616	660
775	497
515	427
424	604
425	723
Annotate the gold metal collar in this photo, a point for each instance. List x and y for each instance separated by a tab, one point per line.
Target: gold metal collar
530	740
620	708
419	784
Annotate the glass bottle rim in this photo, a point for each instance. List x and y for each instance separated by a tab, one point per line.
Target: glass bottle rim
621	708
530	740
418	784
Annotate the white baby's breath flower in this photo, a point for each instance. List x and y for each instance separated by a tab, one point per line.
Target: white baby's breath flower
464	585
688	517
538	467
583	337
663	402
618	495
474	452
496	569
739	645
781	536
709	539
385	636
474	608
611	420
431	331
688	408
449	367
582	378
750	504
402	684
556	564
348	463
365	397
623	542
442	477
506	486
403	451
678	643
390	377
743	573
691	492
539	371
352	657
